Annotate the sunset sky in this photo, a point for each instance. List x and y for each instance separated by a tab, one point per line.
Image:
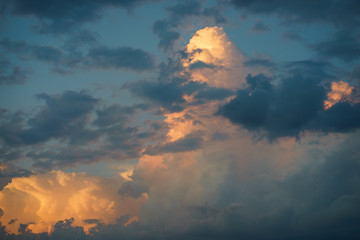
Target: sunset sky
189	119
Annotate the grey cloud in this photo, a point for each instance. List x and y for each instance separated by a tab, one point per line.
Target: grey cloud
9	171
61	117
65	230
344	45
124	57
292	36
166	94
162	29
70	57
70	119
11	74
58	16
188	143
200	65
212	93
345	12
291	107
117	114
259	62
260	27
177	14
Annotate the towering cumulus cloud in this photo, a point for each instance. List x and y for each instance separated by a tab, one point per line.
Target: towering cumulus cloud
44	199
187	119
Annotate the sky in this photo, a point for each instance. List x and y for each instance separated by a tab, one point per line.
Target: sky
192	119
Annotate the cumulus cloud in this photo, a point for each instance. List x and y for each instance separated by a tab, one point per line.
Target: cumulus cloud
42	200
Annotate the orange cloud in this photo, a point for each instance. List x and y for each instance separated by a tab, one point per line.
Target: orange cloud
220	60
340	91
44	199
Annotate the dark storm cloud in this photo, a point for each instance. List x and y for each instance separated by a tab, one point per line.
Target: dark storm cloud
11	74
293	106
124	57
260	27
60	16
179	13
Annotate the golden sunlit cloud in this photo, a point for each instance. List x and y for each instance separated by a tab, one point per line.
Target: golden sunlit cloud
219	62
44	199
340	91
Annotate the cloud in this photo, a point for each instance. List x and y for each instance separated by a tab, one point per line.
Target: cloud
44	199
11	74
344	45
61	16
293	105
188	143
62	116
292	36
179	15
340	91
260	27
125	58
84	132
336	13
70	57
9	171
167	37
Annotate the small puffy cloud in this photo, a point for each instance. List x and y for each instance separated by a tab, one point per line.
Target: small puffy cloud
340	91
42	200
